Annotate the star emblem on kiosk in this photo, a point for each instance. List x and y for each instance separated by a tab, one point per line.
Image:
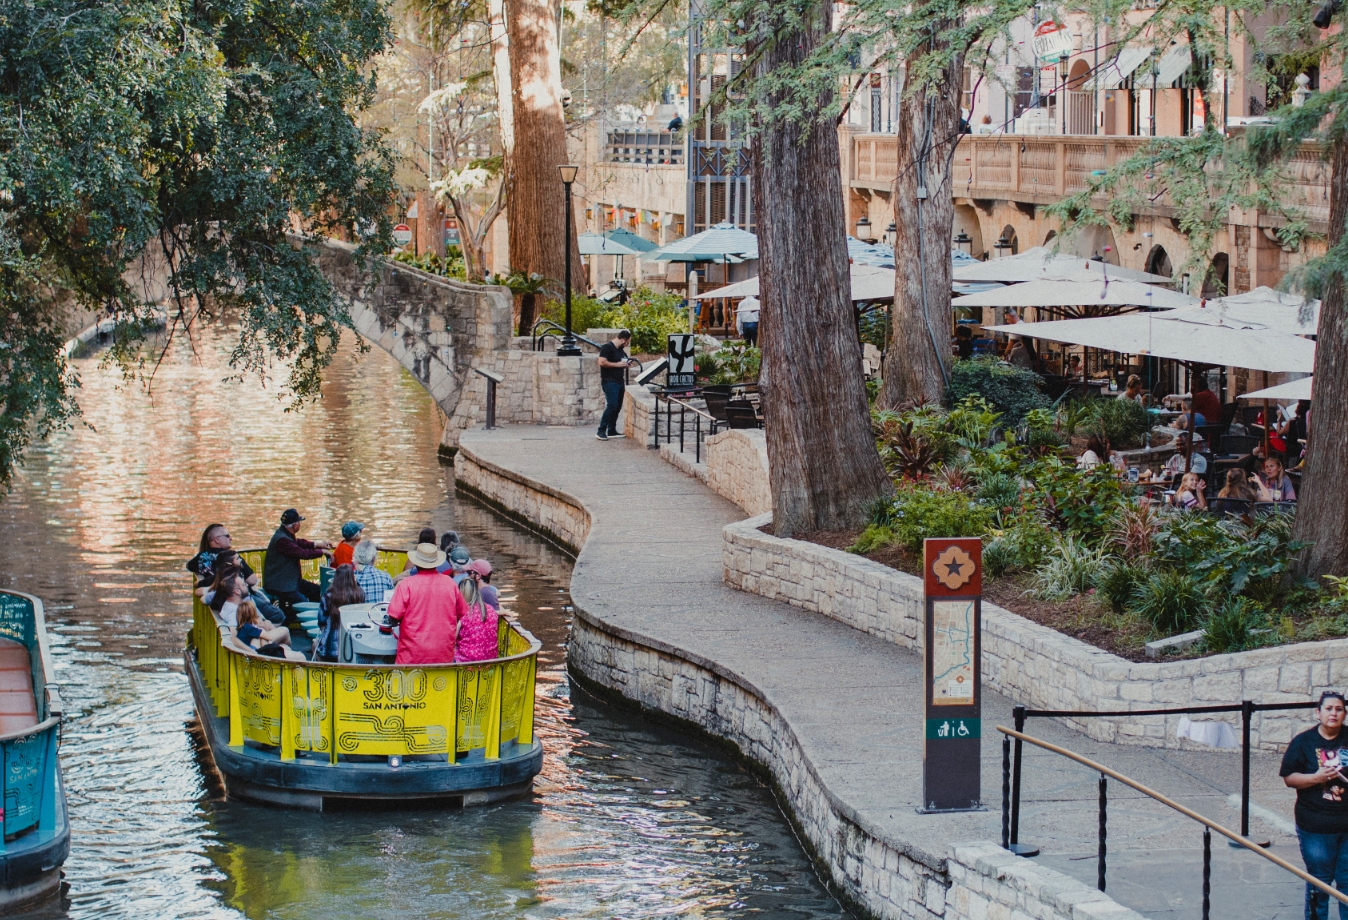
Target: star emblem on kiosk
953	568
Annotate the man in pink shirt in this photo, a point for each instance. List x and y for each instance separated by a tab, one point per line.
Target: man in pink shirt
427	607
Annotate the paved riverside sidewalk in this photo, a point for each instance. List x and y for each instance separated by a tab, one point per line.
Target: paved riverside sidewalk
652	566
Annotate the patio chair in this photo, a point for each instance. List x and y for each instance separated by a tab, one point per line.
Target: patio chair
742	417
1233	506
1211	433
716	403
1238	445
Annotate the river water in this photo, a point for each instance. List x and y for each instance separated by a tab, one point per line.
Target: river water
628	820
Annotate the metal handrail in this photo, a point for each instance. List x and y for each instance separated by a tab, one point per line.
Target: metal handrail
684	408
549	324
1207	823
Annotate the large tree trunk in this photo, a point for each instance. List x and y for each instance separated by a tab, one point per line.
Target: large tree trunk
534	195
825	471
919	353
1322	512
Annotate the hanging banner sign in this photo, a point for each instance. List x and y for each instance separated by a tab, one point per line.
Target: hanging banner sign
682	351
452	232
1052	41
953	582
402	234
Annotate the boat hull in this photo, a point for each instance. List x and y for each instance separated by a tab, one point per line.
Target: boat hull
311	783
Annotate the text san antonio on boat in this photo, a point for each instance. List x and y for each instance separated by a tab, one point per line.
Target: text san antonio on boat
388	720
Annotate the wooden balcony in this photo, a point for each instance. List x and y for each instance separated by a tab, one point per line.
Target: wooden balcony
1043	169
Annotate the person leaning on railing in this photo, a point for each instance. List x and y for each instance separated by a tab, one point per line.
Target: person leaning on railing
1314	766
281	570
427	606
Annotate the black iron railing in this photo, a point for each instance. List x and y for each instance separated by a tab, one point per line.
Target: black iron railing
550	330
1239	840
693	421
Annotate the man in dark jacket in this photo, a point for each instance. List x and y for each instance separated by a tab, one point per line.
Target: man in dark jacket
281	570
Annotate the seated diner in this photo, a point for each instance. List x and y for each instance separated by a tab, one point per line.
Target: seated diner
1275	479
1189	496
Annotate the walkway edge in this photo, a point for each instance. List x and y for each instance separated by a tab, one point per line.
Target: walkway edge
880	876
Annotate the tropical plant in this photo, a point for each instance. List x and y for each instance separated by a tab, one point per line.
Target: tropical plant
1072	414
1122	422
917	512
653	317
451	266
1012	391
908	448
998	490
971	422
1022	547
1235	626
1081	502
1071	567
1118	581
1132	529
1172	601
586	313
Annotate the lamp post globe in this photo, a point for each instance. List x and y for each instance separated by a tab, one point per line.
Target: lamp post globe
568	347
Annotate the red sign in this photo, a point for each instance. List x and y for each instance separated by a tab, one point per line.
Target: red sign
402	234
1052	41
953	566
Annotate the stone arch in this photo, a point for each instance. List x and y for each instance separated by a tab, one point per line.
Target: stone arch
1217	281
1008	235
1158	262
1080	71
966	221
1090	242
1050	236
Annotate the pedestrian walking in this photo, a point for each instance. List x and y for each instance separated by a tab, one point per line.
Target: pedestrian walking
613	361
1315	765
746	320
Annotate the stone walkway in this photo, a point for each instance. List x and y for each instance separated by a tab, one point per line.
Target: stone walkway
652	566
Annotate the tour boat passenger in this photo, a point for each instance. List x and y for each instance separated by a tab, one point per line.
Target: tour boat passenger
427	535
214	540
341	553
343	590
374	581
257	634
457	564
428	609
230	591
477	638
480	571
281	573
230	559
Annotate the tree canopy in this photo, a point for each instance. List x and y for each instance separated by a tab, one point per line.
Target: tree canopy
167	153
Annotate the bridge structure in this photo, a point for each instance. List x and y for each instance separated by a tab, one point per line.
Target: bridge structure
440	330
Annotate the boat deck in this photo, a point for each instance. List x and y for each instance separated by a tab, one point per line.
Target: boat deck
18	705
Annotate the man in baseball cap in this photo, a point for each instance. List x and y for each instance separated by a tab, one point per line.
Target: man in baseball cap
281	568
351	531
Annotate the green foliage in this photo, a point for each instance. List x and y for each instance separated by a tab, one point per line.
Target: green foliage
451	266
1071	567
653	317
1020	548
998	490
1122	422
1173	601
1079	501
1012	391
971	422
586	313
1229	556
912	442
1232	626
873	537
1072	415
201	135
731	363
1118	581
916	513
520	283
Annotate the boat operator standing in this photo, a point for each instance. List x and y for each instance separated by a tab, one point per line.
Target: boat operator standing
281	569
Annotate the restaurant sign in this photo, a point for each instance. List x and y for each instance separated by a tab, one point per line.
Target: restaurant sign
682	351
1052	42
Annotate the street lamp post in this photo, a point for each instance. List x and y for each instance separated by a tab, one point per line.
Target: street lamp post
568	348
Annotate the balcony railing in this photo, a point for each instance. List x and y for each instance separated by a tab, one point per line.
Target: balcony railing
649	148
1043	169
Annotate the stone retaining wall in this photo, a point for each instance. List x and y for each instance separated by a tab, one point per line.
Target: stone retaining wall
885	877
737	467
1033	664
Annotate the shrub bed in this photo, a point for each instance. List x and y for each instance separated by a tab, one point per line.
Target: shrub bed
1077	549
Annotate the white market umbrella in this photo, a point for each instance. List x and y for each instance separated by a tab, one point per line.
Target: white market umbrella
1083	289
1043	264
594	244
1264	307
1159	336
711	245
869	282
1296	389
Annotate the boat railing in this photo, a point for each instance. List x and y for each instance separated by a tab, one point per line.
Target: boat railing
472	711
29	788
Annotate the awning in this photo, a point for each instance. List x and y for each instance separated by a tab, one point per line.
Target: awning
1119	69
1156	335
630	240
1169	68
1086	289
715	244
1267	308
1297	389
1043	264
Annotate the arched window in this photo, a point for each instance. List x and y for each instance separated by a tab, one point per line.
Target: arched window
1158	262
1217	281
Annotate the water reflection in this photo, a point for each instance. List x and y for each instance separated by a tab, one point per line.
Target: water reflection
627	820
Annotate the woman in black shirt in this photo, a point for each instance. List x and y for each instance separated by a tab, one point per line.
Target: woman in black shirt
1315	766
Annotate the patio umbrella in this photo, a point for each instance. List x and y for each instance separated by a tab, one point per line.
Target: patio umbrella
1263	307
1082	290
1160	336
631	240
593	244
869	282
711	245
1296	389
1043	264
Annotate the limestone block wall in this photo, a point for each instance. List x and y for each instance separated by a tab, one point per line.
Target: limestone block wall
1035	665
543	508
988	883
639	415
737	467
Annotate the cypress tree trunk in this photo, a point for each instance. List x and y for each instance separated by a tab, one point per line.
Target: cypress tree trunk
1322	507
534	196
919	355
824	468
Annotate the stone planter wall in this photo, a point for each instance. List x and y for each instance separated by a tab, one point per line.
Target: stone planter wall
737	467
1035	665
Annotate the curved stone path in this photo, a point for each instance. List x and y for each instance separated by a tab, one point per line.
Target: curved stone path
836	715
